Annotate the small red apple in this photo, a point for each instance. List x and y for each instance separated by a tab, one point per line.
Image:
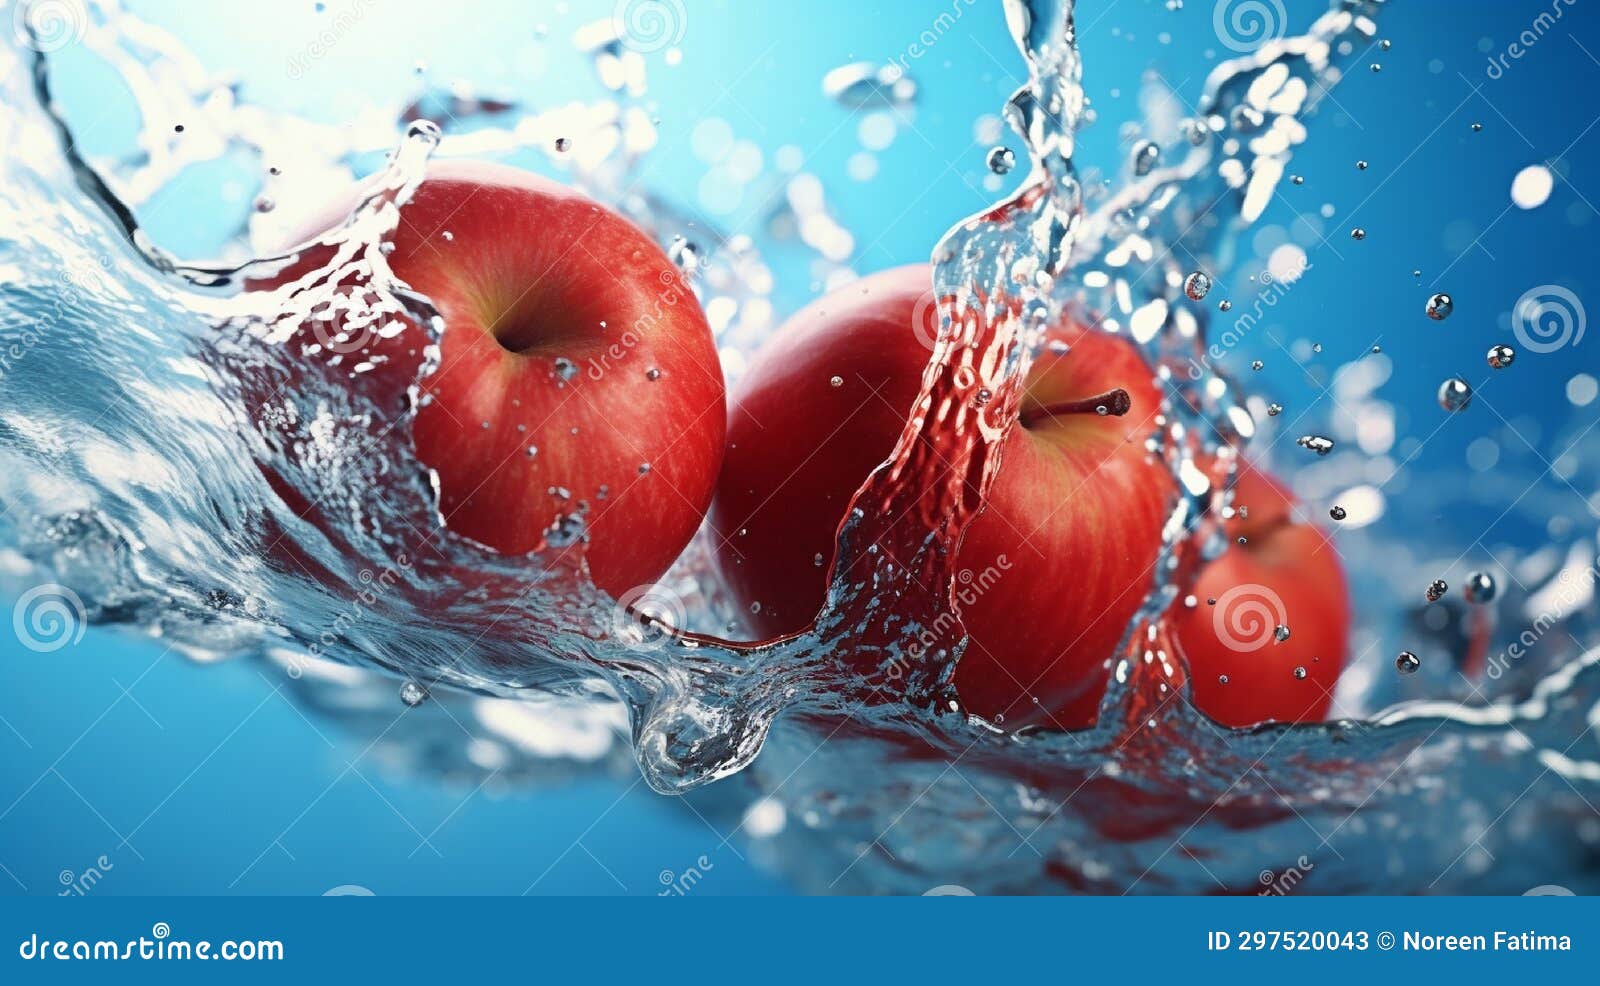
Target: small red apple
1283	575
1052	569
578	397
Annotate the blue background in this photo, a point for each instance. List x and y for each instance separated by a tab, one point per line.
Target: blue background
208	780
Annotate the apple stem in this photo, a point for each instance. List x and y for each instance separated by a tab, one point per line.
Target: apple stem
1111	402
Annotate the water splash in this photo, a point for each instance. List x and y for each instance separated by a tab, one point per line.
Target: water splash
228	469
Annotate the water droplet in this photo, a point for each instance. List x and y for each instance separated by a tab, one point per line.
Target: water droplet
816	559
1316	443
1436	590
1337	513
652	374
413	694
1480	587
1358	233
533	450
1197	285
565	368
644	467
1300	673
1440	306
1455	394
1376	67
1280	633
1501	356
1407	663
448	236
1001	160
684	255
1256	365
1316	347
1298	179
562	144
264	204
1224	305
1273	410
836	381
1477	127
1145	157
1361	165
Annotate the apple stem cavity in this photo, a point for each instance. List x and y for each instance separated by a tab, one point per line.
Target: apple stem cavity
1111	402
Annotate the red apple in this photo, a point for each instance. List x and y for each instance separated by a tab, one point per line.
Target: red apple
1052	569
578	403
1284	574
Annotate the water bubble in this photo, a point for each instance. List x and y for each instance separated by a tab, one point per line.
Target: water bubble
1222	679
1436	590
1197	285
653	374
1337	513
836	382
1439	307
1224	305
1298	179
1501	356
1376	67
1455	394
1273	410
413	694
533	450
1256	365
1001	160
1316	347
264	204
644	467
1477	127
1145	157
1480	587
816	559
562	144
1361	165
684	255
1300	673
1280	633
1358	233
1316	443
1385	44
565	368
1407	663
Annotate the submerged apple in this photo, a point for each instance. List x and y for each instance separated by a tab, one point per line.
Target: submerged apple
1054	566
578	401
